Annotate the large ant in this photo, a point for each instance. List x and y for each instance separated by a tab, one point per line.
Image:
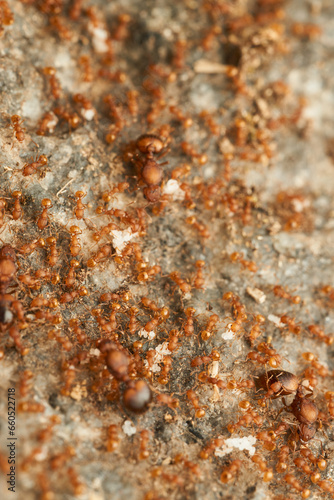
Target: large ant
280	383
137	394
151	172
306	412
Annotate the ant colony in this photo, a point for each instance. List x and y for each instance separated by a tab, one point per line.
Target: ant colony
161	314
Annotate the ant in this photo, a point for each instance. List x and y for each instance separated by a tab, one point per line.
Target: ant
306	412
278	383
30	168
8	303
151	172
18	129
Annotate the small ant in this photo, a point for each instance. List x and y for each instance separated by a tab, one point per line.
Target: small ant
75	245
53	256
17	210
18	129
87	72
50	73
43	219
30	168
3	205
80	207
47	124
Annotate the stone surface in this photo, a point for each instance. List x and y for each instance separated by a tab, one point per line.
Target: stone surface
265	191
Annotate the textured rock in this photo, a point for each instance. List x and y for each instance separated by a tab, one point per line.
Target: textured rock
258	211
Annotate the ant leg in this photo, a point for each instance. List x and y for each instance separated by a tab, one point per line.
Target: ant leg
278	414
310	392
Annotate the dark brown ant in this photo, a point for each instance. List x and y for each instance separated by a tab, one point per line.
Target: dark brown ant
151	172
306	412
137	395
278	383
152	193
149	144
117	362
